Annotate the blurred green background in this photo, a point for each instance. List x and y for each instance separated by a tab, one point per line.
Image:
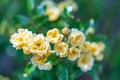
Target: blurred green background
106	13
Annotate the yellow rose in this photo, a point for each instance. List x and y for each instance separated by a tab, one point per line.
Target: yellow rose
39	44
73	53
85	62
40	61
76	37
54	36
94	49
85	46
61	49
20	40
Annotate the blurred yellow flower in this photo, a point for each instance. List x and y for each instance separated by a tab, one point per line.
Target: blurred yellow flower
40	61
90	30
20	40
61	49
53	13
54	36
101	46
85	46
73	53
65	30
85	62
39	44
62	5
76	37
94	49
99	57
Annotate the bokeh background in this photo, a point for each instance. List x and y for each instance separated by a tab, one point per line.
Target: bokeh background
106	14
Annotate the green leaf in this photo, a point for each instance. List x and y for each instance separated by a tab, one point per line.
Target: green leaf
46	75
67	13
41	21
94	75
97	38
29	69
53	59
21	19
40	10
62	72
30	5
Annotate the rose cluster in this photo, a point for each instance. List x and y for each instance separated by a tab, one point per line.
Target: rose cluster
67	43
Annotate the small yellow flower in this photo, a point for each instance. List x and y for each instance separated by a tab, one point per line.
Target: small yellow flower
40	61
62	5
99	57
65	30
85	46
39	44
101	46
61	49
73	53
53	13
20	40
54	36
91	30
94	49
76	37
85	62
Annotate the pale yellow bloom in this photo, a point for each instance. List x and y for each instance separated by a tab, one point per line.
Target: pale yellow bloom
53	13
85	62
73	53
91	30
65	30
39	44
61	49
99	57
54	36
101	46
76	37
40	61
94	49
85	46
20	40
62	5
